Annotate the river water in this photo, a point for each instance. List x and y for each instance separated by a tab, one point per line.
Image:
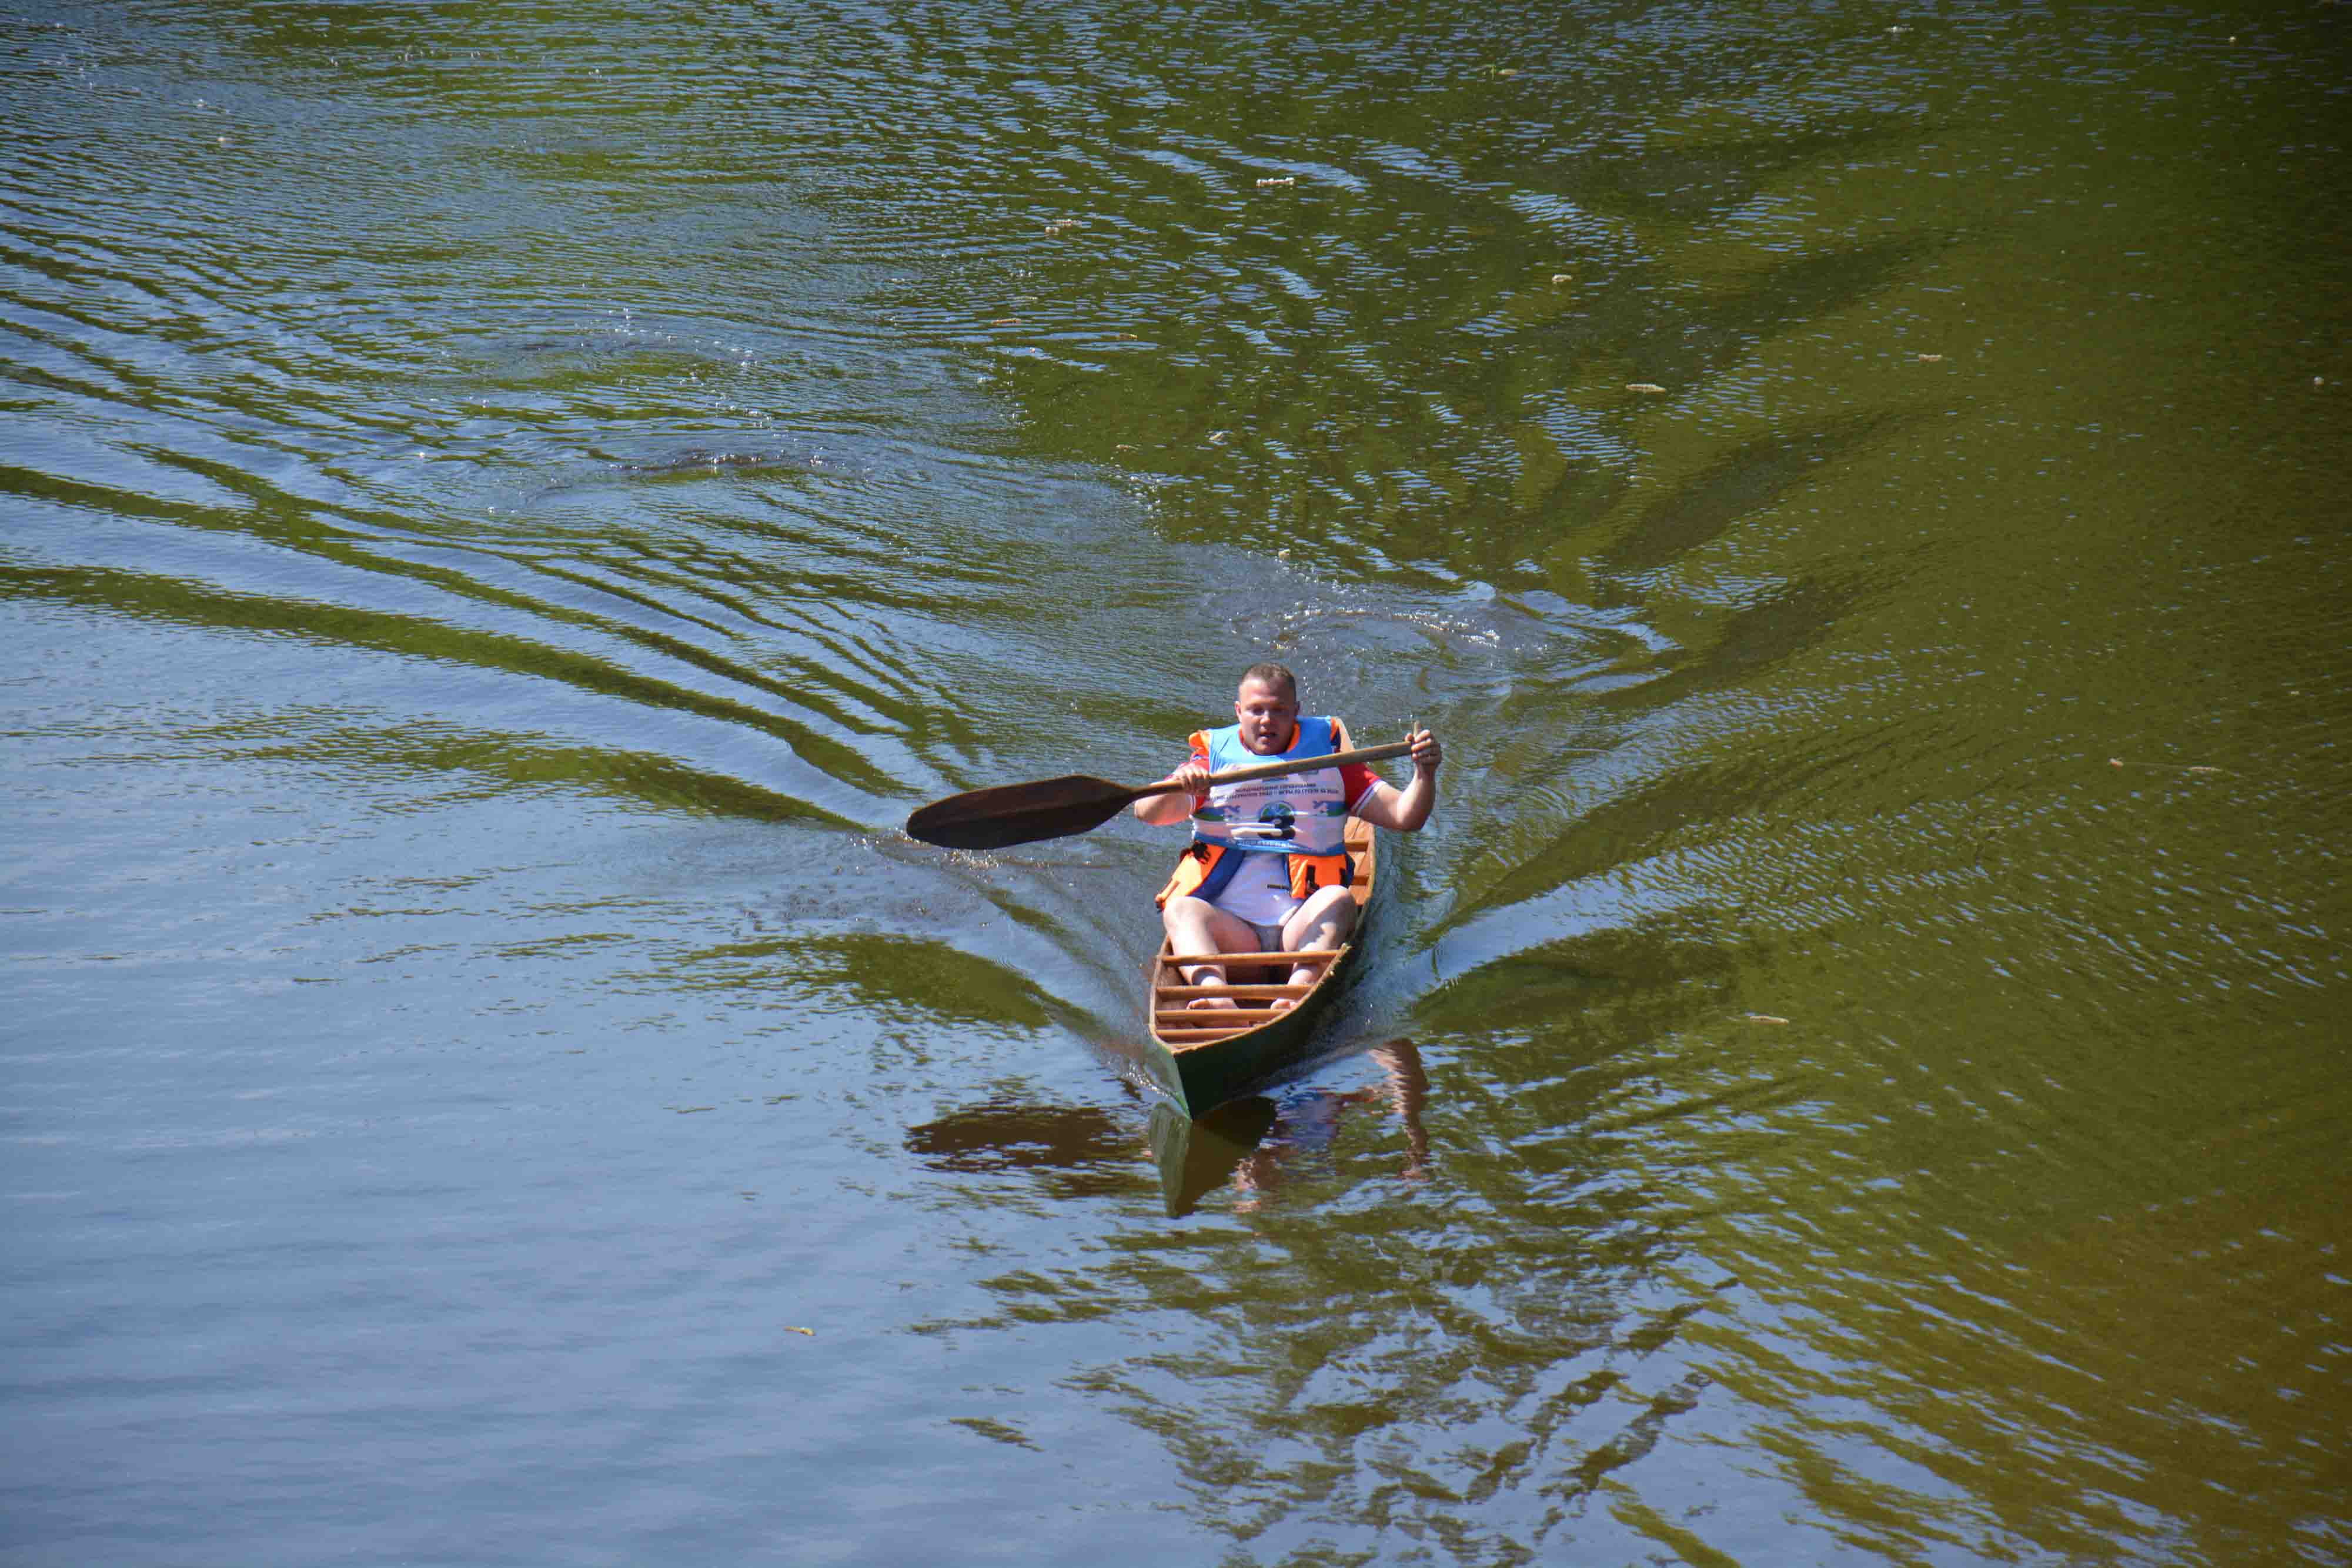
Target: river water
509	506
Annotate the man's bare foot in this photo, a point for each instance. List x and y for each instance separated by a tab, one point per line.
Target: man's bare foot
1209	977
1300	975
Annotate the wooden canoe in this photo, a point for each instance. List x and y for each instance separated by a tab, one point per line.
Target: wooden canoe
1204	1057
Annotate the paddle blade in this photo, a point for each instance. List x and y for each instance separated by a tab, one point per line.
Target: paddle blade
1019	813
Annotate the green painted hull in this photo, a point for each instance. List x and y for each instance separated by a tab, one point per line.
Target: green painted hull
1202	1077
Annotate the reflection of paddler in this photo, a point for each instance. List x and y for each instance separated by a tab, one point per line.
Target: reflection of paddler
1267	868
1307	1122
1249	1143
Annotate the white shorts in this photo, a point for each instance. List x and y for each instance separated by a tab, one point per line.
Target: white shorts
1259	895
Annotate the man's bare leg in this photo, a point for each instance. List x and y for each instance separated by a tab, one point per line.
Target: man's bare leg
1196	926
1323	921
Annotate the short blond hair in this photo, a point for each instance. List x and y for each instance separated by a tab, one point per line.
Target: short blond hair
1273	675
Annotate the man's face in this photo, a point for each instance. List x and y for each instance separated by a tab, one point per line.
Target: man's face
1267	713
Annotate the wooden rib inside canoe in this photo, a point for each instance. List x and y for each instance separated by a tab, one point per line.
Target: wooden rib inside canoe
1290	957
1217	1049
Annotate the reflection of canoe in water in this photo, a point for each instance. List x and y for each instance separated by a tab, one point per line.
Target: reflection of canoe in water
1245	1143
1204	1056
1198	1157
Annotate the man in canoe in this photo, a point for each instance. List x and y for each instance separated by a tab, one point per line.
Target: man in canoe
1266	872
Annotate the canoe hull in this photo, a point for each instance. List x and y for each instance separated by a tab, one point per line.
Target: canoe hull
1200	1073
1200	1077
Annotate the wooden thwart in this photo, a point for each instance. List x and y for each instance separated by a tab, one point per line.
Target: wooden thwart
1302	954
1301	989
1185	1027
1207	1018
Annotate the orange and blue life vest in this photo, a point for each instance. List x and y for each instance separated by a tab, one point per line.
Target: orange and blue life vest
1301	815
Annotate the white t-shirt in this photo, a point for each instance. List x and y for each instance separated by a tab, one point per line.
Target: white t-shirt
1260	891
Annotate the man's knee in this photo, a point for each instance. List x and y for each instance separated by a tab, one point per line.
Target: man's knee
1186	911
1331	900
1330	912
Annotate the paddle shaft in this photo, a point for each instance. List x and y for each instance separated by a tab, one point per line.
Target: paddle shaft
1012	814
1276	769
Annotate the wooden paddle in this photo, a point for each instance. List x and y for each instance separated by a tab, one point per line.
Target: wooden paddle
1057	808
